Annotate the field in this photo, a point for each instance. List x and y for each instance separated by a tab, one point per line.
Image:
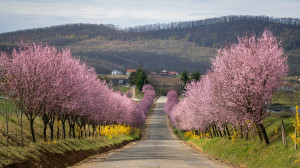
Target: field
122	89
288	98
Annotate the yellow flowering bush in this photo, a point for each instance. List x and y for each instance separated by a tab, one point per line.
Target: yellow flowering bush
235	136
191	134
114	130
296	124
51	142
79	131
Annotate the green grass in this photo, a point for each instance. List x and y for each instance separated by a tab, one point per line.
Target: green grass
9	155
252	153
138	94
122	89
287	98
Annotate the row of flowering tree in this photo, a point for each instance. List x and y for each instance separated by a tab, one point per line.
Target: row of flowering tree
236	91
50	84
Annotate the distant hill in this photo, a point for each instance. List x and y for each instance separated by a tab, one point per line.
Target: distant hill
175	46
152	55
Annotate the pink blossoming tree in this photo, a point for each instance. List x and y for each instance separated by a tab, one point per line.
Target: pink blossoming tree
51	84
237	89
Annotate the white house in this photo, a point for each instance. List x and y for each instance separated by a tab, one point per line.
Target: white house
116	72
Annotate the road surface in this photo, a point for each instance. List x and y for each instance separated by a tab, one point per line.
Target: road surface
158	149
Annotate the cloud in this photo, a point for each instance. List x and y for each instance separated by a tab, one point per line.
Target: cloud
38	13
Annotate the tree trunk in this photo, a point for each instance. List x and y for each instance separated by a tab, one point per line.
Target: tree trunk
228	133
32	130
264	133
7	135
89	129
214	131
224	132
241	128
22	130
51	125
63	122
84	128
51	130
93	127
73	130
259	132
45	131
70	129
80	133
57	133
45	122
220	133
209	131
57	129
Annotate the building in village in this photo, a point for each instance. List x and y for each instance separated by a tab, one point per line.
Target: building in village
116	72
172	73
128	71
287	87
163	73
153	74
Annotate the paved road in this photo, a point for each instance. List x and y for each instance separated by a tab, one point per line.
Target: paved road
159	149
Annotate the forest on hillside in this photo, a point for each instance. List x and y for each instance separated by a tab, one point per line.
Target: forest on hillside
212	33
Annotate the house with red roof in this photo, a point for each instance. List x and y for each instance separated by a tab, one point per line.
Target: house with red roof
129	71
173	73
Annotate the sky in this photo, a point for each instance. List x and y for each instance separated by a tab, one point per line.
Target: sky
27	14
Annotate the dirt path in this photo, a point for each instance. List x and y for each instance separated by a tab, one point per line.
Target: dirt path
158	149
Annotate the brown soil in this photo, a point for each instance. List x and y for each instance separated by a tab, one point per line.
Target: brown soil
55	160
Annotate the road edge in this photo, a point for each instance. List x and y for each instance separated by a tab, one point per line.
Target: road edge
193	147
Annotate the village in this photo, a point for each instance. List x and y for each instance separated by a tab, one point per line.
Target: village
162	73
162	81
119	78
167	80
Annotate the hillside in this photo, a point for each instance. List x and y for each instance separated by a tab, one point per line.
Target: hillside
152	55
175	46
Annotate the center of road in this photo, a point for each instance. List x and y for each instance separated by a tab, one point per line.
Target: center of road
158	149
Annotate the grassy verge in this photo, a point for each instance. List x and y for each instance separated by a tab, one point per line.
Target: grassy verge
57	153
62	152
253	153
